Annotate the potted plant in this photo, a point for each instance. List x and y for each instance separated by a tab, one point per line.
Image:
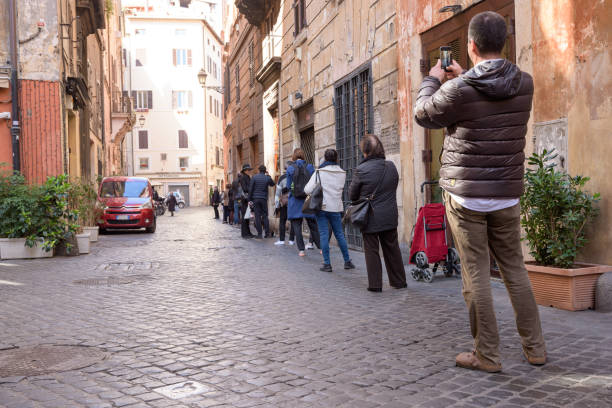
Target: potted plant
33	219
84	200
554	212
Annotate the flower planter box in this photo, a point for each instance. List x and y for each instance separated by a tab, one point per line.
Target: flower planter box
568	289
15	248
93	233
83	242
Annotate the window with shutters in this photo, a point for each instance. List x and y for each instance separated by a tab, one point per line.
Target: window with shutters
217	155
237	83
144	163
183	162
181	57
141	57
251	65
299	14
183	141
143	139
163	156
182	100
142	100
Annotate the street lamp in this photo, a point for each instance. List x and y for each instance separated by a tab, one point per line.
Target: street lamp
141	121
202	77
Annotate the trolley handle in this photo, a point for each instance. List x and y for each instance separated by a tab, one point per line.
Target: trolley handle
434	182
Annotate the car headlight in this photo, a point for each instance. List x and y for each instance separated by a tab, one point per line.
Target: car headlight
146	205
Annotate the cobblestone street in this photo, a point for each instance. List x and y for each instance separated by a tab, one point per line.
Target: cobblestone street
247	323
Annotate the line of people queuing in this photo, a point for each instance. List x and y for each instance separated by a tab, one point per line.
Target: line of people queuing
247	198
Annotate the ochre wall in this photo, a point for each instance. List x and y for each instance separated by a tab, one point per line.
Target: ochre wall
6	146
573	77
41	135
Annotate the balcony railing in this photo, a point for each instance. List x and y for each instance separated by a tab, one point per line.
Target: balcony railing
122	105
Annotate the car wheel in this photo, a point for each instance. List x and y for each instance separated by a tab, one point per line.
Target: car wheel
181	205
152	228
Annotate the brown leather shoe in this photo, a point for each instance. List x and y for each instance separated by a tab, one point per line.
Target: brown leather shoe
534	360
472	362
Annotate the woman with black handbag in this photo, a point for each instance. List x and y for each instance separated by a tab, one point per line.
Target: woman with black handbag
375	180
328	181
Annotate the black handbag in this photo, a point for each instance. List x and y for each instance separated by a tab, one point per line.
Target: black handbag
357	212
314	202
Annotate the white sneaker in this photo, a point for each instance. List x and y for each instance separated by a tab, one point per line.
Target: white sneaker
291	242
309	246
279	243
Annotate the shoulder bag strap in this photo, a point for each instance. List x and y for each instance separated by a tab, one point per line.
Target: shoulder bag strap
379	182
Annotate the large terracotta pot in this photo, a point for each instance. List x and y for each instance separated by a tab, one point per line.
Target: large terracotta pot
569	289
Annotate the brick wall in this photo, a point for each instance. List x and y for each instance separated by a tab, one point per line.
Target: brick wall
41	136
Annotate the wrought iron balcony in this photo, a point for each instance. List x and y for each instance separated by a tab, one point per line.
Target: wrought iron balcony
253	10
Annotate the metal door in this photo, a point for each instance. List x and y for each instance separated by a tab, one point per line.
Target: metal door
353	103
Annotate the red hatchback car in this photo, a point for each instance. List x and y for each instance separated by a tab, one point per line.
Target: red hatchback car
127	203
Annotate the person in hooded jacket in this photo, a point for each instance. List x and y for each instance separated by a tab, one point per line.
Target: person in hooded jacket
295	204
486	111
332	178
375	175
171	203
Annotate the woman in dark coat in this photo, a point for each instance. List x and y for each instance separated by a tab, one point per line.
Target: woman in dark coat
381	228
171	202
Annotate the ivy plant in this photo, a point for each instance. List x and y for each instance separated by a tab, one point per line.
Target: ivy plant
554	211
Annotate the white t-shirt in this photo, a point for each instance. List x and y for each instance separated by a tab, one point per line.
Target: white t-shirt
484	204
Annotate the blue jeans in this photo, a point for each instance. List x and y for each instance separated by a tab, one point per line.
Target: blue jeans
236	212
325	218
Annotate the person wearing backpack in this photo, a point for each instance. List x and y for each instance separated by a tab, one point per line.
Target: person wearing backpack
281	199
298	175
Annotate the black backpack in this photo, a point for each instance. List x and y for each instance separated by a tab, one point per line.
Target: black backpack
299	181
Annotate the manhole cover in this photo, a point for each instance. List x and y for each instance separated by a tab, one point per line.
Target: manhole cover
113	280
38	360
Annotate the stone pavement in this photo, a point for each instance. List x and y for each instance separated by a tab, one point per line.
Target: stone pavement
250	324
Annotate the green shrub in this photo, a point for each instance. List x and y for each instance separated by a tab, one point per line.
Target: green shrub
36	212
555	211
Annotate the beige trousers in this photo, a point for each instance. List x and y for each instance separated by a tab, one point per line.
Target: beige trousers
475	234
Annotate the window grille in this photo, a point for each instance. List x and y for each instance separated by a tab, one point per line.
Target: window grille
307	143
353	103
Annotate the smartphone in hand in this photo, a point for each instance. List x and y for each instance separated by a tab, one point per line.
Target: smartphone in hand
446	57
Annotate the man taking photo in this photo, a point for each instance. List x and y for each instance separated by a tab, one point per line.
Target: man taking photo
485	111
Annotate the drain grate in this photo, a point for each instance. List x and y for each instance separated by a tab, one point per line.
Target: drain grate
113	280
38	360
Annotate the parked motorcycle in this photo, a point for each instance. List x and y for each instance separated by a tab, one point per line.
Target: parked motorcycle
160	208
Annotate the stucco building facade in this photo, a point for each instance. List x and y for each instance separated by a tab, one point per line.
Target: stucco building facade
178	139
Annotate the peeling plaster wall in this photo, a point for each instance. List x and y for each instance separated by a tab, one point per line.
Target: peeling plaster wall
39	58
565	45
573	75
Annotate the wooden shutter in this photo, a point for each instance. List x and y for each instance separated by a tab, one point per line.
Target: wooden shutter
143	139
210	108
183	140
174	57
296	18
134	100
189	57
150	99
302	13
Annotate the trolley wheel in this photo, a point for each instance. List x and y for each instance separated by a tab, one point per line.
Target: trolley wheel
421	260
416	274
448	270
453	261
427	275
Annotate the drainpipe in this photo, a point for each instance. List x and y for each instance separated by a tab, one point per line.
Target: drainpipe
15	130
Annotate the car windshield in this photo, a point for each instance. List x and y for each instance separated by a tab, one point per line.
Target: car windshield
129	188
